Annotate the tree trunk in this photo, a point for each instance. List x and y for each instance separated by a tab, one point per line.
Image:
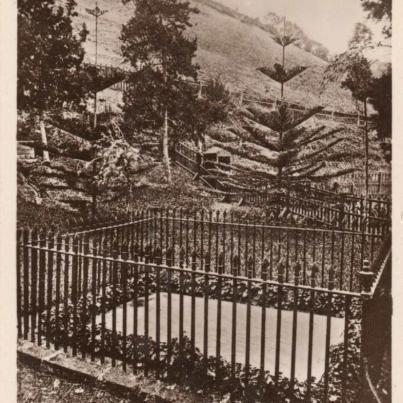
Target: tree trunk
94	193
165	148
95	108
200	145
44	139
165	137
366	151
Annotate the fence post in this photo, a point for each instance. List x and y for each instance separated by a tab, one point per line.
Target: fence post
314	275
169	263
19	283
235	273
280	279
124	275
158	262
366	277
264	275
207	262
220	269
181	301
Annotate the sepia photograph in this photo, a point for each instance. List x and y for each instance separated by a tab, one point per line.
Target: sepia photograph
203	201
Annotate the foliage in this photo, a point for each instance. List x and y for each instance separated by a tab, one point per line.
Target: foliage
296	153
381	99
351	68
358	77
211	107
380	10
49	56
280	75
156	46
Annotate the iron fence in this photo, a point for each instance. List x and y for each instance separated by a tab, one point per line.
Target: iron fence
145	295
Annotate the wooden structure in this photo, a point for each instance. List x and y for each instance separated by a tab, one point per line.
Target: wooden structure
216	155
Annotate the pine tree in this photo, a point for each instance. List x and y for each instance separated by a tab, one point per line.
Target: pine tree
160	53
277	138
49	57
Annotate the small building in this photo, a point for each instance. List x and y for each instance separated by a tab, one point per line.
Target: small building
214	155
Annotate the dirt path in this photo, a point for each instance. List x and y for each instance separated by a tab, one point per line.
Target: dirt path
40	387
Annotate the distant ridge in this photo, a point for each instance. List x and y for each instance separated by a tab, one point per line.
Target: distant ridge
271	23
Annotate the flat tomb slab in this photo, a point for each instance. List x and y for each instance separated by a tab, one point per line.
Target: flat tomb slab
302	336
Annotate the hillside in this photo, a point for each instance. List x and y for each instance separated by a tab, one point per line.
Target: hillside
228	47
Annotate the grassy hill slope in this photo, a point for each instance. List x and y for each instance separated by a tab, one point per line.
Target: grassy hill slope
228	47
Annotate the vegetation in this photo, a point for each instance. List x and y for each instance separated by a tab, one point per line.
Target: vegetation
380	10
155	43
296	153
211	107
232	49
353	70
49	58
112	168
380	97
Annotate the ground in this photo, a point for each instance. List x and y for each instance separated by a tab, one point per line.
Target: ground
39	387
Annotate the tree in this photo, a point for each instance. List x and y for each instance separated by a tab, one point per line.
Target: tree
353	70
380	97
297	153
276	139
279	74
380	10
209	108
160	53
49	57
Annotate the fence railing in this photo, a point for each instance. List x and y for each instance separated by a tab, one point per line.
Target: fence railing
191	160
155	295
334	210
379	184
371	203
250	242
341	215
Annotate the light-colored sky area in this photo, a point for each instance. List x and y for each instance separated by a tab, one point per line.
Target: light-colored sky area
330	22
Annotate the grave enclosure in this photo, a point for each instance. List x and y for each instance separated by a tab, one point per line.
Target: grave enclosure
207	298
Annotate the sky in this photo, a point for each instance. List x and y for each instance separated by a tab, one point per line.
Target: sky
330	22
